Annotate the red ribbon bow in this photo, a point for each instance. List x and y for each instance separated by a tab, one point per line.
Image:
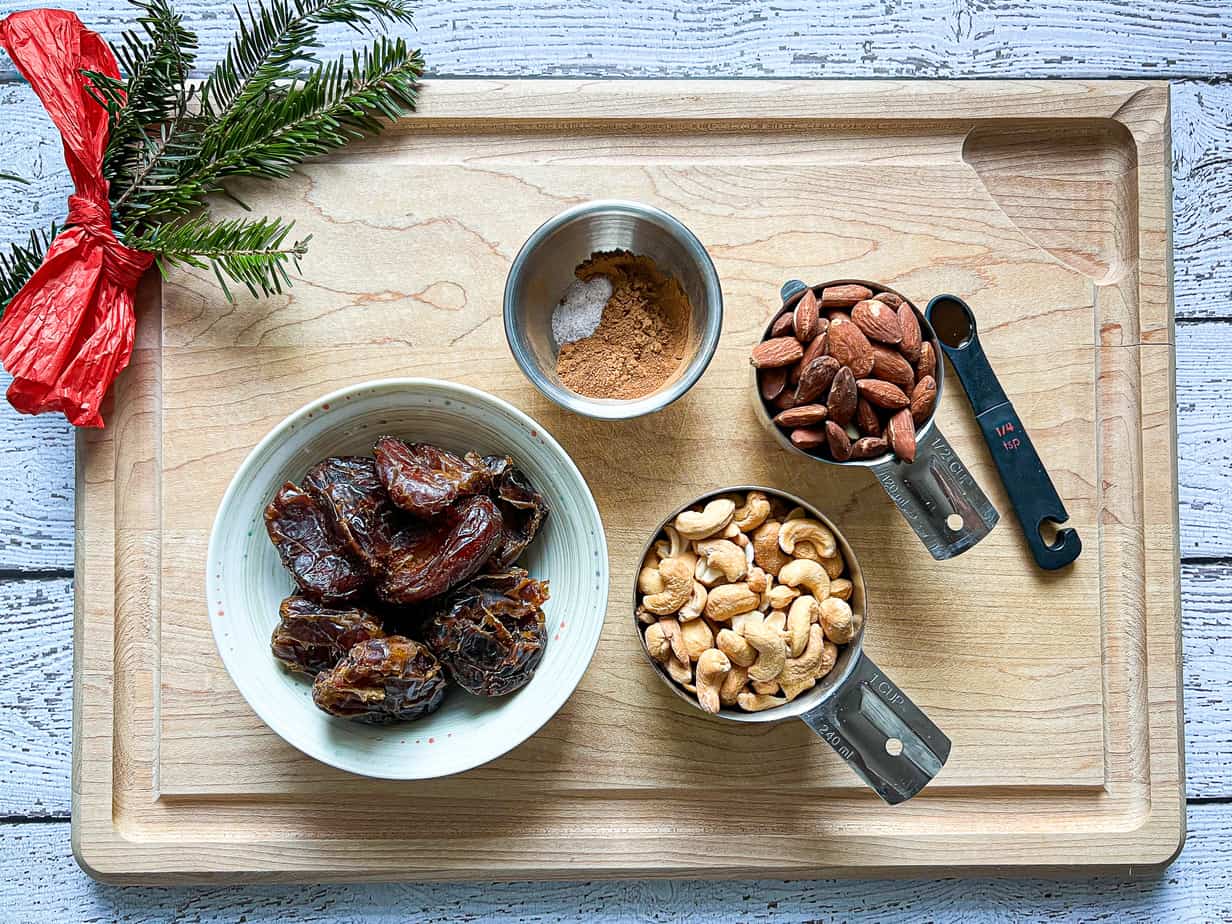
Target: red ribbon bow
69	332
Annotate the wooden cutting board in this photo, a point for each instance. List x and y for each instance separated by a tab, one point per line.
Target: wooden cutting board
1044	204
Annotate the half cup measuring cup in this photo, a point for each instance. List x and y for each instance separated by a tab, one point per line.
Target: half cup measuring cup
935	493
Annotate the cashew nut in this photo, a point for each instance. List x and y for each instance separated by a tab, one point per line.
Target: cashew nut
806	549
675	638
650	581
829	657
644	616
803	613
738	621
771	649
813	531
766	552
725	556
706	574
733	684
758	580
756	702
755	511
712	668
800	673
696	604
736	647
678	587
841	588
800	572
657	643
781	595
837	620
697	637
727	600
673	547
694	524
730	531
766	687
679	671
835	566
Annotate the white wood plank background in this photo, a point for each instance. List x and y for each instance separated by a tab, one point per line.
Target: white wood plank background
1188	40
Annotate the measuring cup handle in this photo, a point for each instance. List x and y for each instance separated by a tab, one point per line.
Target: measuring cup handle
938	497
884	737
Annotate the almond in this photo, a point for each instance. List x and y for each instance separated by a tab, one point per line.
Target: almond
890	366
847	344
844	296
804	416
868	447
923	398
816	346
782	325
900	434
889	298
815	378
772	382
909	324
838	441
927	366
878	321
806	317
882	394
867	419
808	437
780	351
786	399
842	400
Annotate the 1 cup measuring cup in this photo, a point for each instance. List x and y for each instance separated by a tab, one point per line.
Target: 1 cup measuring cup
935	492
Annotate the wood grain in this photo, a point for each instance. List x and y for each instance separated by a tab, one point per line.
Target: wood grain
215	377
1196	888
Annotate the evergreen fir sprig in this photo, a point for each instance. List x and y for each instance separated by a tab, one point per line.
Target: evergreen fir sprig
269	105
276	37
251	252
21	261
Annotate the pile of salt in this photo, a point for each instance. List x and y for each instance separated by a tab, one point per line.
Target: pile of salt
580	309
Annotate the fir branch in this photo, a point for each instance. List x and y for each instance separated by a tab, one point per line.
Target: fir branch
280	35
335	103
251	252
19	264
155	60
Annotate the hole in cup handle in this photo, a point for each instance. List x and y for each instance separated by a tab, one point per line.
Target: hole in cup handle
938	496
884	737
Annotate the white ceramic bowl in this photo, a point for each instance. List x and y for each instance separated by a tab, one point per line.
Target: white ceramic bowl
245	581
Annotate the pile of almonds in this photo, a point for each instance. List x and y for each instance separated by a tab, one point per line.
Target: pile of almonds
745	602
848	374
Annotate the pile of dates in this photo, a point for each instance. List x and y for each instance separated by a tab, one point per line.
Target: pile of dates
405	566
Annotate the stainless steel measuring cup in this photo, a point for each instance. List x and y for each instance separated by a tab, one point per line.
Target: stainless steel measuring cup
856	709
935	493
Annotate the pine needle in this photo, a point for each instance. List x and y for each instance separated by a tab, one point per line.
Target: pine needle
19	264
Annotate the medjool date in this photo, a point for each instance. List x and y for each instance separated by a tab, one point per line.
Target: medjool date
348	489
522	509
382	680
318	560
437	557
424	479
490	633
310	637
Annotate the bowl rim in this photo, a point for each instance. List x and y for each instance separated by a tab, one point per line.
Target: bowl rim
614	408
337	398
852	651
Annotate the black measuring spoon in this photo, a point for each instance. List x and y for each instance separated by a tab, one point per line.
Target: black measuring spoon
1031	491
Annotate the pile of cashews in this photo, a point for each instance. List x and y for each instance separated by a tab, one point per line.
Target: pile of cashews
742	608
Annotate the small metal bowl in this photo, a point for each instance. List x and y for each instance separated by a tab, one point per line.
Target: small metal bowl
543	270
856	709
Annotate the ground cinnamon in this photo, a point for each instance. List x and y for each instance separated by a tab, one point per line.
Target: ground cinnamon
642	337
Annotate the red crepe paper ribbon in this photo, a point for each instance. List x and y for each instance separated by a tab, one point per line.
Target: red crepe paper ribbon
69	332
